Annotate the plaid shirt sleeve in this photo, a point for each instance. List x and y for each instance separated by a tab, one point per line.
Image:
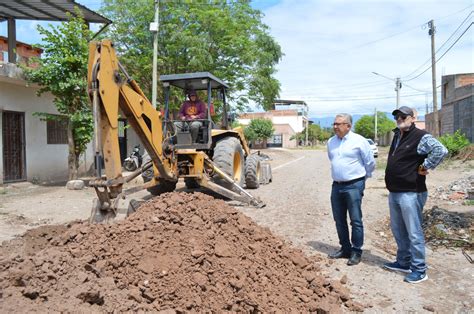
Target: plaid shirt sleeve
434	149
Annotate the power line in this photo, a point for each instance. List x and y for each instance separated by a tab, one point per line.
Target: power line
439	49
443	53
415	89
357	99
399	33
345	86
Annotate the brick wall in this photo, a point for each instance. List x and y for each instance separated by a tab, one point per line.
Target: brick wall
24	51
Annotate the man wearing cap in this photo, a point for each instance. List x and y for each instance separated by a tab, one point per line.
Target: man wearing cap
412	153
352	162
192	109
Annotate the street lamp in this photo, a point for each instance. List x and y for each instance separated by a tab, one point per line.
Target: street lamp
398	85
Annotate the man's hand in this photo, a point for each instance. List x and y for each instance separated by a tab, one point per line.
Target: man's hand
422	171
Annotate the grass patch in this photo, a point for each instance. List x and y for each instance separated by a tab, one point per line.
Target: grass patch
469	202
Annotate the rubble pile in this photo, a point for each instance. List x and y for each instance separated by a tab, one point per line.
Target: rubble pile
457	191
450	229
178	252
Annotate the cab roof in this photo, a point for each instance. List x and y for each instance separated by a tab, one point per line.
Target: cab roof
194	81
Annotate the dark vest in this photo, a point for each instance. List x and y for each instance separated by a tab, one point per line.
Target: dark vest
401	174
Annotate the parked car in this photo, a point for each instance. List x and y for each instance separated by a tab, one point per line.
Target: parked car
374	147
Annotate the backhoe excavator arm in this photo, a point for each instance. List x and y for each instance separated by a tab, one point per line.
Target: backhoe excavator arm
111	89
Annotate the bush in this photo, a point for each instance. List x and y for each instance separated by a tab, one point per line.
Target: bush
454	142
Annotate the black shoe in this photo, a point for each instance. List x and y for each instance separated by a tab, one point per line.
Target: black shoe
340	254
354	259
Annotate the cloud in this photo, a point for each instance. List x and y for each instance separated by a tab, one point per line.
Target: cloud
332	47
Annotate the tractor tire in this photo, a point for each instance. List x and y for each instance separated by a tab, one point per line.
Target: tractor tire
162	187
253	174
229	157
191	183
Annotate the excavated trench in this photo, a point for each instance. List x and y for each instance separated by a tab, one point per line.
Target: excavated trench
180	252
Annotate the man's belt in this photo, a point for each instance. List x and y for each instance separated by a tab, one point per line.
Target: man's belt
350	181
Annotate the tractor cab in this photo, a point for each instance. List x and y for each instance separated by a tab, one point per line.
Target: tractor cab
181	130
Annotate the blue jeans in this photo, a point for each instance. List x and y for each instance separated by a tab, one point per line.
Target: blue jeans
406	220
347	198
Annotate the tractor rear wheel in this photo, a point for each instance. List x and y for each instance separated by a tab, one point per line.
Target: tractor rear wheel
229	157
253	173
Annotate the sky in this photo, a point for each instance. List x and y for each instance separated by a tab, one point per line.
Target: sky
332	47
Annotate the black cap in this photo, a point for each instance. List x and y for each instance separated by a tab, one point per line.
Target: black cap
191	92
403	109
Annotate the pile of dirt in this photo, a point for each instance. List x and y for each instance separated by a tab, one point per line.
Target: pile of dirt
181	252
449	229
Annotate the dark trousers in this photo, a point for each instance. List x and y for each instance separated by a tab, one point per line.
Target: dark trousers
347	198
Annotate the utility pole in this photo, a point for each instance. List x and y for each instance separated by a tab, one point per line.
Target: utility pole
154	29
398	86
432	32
426	104
375	130
306	135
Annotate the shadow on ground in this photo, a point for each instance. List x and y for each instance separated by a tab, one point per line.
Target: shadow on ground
367	256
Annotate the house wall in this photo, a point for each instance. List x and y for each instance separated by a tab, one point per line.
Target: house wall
457	102
44	162
285	122
287	132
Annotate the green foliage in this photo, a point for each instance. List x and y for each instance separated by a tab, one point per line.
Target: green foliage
62	71
454	142
259	129
365	126
225	38
315	134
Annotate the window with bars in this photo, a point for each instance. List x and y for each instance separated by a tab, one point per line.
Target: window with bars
56	131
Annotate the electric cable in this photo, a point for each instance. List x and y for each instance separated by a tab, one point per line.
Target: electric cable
407	80
441	47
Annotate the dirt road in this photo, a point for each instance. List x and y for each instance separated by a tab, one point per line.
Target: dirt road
298	209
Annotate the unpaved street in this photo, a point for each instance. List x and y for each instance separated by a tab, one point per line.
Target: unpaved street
298	209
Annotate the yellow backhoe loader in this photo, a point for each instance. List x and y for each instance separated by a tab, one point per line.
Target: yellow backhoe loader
220	160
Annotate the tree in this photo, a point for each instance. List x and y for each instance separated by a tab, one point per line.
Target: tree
259	129
62	71
225	38
365	126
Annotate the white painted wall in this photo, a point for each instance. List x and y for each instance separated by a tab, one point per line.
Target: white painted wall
296	122
44	162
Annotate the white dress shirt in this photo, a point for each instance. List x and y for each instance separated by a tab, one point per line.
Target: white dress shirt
351	157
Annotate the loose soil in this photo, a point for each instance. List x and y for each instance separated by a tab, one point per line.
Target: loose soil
179	251
76	267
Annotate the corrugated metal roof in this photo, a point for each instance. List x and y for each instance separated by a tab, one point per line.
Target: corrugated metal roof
48	10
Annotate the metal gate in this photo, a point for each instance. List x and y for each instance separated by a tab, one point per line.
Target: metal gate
275	141
14	161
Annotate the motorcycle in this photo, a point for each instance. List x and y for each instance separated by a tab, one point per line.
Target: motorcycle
134	161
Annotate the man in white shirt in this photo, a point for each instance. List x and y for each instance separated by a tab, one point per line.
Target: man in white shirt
352	161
